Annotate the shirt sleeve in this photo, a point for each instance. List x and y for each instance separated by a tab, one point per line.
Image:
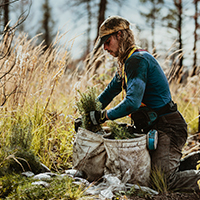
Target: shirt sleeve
136	71
111	91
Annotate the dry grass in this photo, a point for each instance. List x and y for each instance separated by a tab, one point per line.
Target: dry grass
40	87
48	79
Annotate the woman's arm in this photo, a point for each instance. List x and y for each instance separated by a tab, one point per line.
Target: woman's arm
111	91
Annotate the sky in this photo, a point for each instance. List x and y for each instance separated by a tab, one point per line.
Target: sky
66	21
77	28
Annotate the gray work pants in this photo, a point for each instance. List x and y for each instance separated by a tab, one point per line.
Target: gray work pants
172	135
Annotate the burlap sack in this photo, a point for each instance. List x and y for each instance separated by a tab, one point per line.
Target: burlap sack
96	155
128	158
89	154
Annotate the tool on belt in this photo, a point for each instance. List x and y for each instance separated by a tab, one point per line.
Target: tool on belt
152	139
146	118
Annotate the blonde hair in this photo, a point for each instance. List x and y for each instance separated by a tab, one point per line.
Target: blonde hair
126	43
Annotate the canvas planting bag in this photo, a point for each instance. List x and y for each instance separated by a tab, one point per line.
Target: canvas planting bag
89	154
128	158
97	155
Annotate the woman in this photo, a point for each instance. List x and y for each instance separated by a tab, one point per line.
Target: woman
147	99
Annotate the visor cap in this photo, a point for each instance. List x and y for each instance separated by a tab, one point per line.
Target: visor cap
113	24
109	26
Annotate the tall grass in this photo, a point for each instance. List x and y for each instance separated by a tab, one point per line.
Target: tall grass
37	112
187	97
38	97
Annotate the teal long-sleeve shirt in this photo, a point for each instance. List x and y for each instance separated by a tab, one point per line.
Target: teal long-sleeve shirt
146	82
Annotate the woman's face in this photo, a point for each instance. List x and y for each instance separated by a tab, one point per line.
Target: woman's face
111	45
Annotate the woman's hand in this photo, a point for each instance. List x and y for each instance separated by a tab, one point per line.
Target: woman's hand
98	117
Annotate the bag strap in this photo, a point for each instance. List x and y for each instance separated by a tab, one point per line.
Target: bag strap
124	76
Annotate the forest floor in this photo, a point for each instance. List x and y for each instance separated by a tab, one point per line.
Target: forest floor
168	196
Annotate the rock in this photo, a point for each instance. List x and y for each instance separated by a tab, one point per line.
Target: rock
42	183
50	174
81	181
45	176
107	193
28	174
112	185
75	173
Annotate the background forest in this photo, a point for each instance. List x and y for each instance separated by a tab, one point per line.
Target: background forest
45	58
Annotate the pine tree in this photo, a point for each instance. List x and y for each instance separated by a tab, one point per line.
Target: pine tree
6	13
197	25
174	20
47	24
153	15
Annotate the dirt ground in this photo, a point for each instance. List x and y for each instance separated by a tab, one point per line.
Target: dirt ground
169	196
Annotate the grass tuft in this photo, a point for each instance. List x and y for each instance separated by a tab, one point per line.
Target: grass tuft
158	180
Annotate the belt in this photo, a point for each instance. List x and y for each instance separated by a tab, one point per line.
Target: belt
166	109
172	118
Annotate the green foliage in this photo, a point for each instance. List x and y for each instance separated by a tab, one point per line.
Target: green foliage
32	137
9	183
119	131
88	102
18	187
16	155
21	136
139	193
22	161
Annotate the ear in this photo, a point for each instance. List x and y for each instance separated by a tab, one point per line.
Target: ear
119	33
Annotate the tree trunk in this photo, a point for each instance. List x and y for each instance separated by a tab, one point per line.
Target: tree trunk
101	18
6	13
46	23
180	9
195	38
89	27
178	4
153	29
21	4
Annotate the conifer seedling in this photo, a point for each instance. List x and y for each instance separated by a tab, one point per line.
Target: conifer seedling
88	102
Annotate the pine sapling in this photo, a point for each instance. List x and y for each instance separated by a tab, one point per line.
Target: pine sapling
88	102
119	132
